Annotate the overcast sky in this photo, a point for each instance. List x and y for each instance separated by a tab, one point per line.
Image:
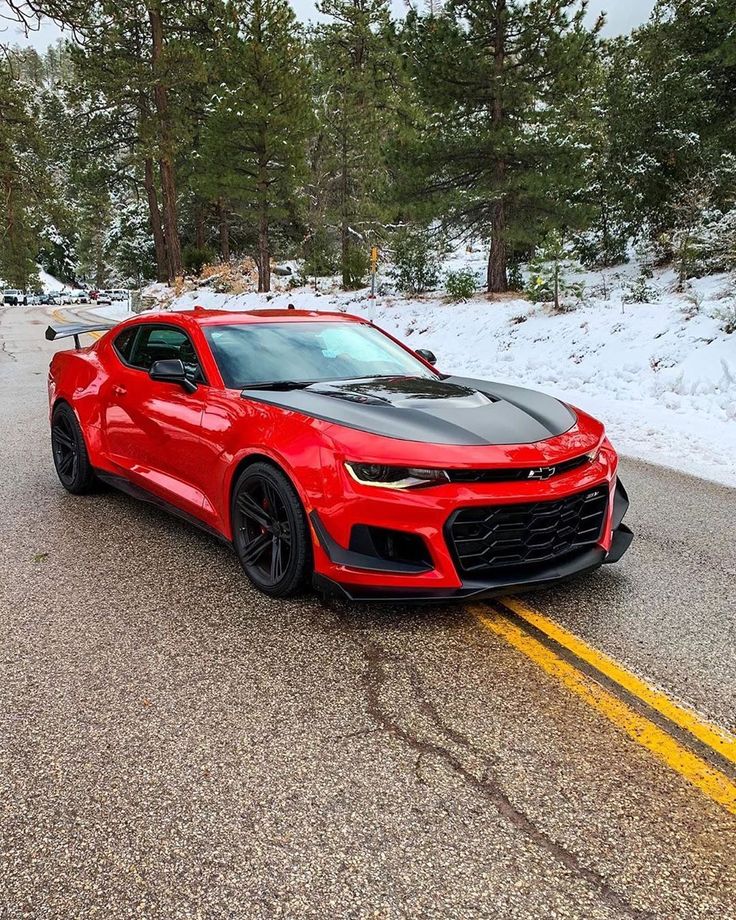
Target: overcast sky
622	16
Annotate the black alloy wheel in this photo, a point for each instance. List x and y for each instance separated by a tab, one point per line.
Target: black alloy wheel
69	451
270	531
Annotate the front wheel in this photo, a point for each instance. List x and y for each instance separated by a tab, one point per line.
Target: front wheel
270	531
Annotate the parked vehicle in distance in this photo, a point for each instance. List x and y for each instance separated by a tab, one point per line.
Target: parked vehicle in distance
76	295
33	300
13	297
118	295
104	297
321	447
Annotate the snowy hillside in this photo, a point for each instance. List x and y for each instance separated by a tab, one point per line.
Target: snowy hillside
661	375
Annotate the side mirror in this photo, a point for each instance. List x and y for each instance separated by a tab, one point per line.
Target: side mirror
171	370
427	355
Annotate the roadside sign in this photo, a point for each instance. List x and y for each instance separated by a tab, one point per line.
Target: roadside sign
374	266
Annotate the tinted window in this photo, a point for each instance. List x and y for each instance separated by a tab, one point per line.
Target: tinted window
124	342
158	343
307	353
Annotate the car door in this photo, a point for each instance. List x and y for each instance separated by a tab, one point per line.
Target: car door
152	429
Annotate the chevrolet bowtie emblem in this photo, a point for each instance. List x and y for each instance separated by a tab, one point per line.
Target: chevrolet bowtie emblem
544	472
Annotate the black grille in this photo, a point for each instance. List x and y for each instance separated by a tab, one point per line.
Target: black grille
509	474
499	536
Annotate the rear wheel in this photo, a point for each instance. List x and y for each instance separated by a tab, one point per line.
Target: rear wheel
270	531
69	451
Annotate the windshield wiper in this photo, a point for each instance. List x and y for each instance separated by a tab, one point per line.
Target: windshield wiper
279	385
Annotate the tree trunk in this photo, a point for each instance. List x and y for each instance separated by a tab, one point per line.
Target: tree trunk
497	277
347	279
264	255
9	230
100	263
199	227
166	152
154	214
224	231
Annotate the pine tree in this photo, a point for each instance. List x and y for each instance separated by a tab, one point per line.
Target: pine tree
254	139
550	271
608	183
109	98
358	81
22	183
503	154
137	93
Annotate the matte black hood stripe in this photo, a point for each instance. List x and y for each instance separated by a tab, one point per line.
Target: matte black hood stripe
455	410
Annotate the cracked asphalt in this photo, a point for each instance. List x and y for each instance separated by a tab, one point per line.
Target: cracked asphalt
174	745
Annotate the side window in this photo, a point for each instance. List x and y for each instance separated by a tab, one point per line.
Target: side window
158	343
124	343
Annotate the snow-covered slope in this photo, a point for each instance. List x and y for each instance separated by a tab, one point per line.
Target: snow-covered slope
49	283
662	379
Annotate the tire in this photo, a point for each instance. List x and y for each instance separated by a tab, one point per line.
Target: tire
70	452
271	535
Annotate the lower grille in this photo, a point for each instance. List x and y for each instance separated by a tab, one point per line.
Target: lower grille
500	536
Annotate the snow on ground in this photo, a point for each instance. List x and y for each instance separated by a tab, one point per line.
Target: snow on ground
50	284
115	311
662	379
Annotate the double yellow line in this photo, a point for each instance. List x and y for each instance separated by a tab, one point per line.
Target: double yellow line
60	318
579	666
509	619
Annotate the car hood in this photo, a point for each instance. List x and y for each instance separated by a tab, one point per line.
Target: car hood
449	410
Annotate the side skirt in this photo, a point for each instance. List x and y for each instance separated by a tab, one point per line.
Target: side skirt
136	491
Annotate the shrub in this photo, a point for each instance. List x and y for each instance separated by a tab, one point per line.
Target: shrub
693	304
652	250
415	262
709	247
727	318
604	244
548	274
196	257
516	279
355	268
640	291
460	285
320	255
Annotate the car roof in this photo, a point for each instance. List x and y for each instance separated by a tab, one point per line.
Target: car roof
201	317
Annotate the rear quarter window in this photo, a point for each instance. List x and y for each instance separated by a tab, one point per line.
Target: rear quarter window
124	343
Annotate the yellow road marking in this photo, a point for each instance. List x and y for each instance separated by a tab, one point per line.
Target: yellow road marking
62	319
722	741
700	774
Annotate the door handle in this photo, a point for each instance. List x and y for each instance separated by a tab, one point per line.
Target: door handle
118	390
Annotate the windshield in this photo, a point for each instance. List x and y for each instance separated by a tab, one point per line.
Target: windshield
307	353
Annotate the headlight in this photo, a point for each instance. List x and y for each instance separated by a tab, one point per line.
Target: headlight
395	477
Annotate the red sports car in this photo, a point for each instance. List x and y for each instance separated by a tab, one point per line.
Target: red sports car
320	447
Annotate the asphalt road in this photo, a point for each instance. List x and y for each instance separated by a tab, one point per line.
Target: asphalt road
174	745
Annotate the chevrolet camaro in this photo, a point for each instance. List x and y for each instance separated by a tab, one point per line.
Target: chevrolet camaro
322	448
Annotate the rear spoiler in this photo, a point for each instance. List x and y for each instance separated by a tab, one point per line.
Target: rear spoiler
64	330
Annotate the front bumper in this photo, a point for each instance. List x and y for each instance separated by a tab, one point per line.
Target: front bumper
587	561
352	576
